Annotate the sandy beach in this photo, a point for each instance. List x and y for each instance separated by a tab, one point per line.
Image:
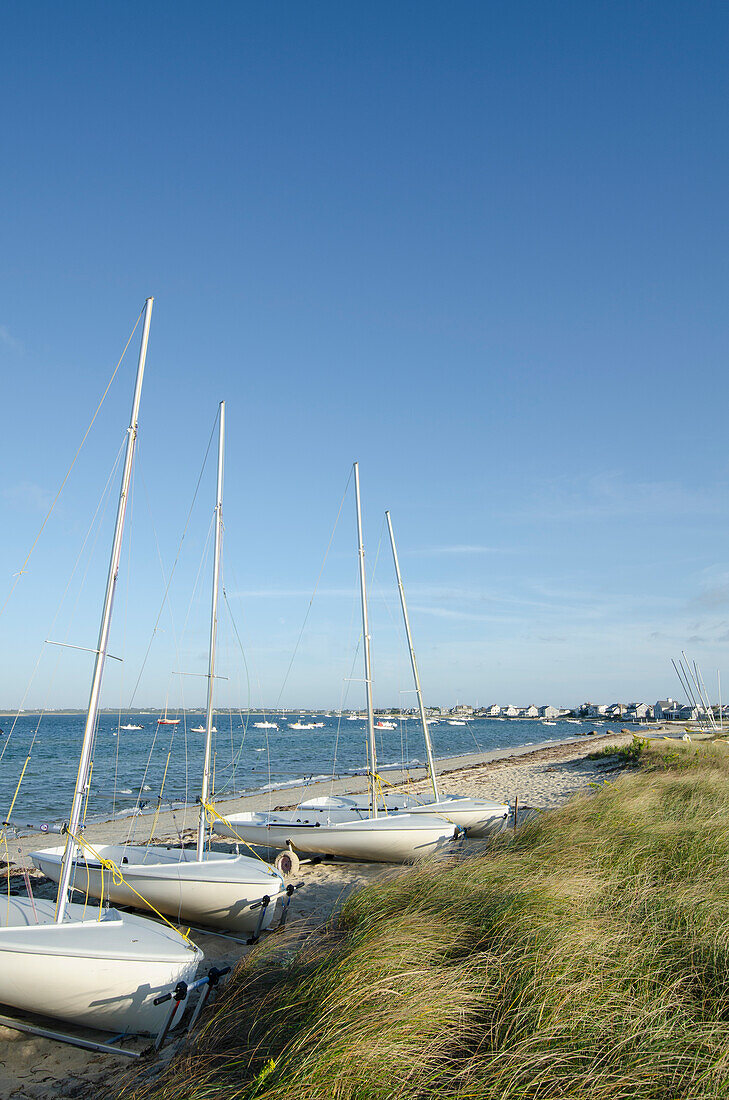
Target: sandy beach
541	778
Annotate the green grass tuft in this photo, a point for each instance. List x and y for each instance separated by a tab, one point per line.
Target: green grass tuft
586	959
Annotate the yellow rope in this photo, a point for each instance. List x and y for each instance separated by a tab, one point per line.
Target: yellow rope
117	877
88	792
211	813
380	779
7	857
17	789
159	799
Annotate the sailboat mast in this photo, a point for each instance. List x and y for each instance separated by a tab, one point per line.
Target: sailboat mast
366	639
205	789
82	778
413	662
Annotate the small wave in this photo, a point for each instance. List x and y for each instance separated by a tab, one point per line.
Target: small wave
287	785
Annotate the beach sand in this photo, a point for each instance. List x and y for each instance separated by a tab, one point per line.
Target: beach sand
541	777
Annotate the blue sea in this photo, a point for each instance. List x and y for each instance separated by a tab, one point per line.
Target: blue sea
129	765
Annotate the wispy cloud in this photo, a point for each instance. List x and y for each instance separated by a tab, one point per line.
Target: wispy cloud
458	548
713	591
289	593
611	495
449	613
28	496
10	341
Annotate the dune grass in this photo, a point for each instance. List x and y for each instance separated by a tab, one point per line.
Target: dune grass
588	957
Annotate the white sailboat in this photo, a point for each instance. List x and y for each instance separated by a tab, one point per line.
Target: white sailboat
101	969
395	838
213	888
478	817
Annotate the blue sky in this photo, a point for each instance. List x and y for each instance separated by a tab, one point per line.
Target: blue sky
480	247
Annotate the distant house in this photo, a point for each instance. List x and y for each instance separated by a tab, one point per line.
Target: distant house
462	709
510	712
667	709
639	712
593	710
548	712
493	711
688	714
530	712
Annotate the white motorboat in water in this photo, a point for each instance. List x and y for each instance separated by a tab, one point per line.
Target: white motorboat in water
130	726
265	726
377	837
99	968
201	729
214	888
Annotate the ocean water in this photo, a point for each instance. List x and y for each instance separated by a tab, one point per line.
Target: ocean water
129	765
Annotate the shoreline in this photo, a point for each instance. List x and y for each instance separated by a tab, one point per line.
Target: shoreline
175	825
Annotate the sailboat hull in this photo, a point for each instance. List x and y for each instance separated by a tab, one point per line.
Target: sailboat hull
221	891
395	839
477	817
103	973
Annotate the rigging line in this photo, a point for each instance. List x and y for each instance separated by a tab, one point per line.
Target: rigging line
235	759
20	573
402	639
177	644
380	747
316	586
344	693
126	622
203	564
247	671
105	501
177	556
102	499
245	722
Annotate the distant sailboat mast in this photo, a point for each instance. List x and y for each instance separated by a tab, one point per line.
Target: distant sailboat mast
366	641
82	779
205	789
413	662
